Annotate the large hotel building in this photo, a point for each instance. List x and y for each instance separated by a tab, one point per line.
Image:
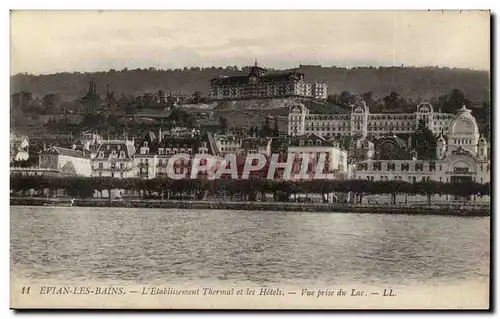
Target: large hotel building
363	123
259	83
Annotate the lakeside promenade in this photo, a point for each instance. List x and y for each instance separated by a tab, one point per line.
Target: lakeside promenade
451	210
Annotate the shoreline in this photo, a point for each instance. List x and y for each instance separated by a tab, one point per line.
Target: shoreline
466	211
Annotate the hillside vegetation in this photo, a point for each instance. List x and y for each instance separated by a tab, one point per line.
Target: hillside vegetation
409	82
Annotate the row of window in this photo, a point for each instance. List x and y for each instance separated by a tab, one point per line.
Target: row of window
358	128
168	151
412	179
113	154
464	141
369	125
418	167
393	166
48	158
112	166
310	143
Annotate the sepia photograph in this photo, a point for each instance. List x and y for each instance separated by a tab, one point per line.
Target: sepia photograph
250	159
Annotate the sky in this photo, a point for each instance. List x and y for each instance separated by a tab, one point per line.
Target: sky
45	42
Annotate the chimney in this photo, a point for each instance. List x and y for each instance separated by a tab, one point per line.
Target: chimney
159	135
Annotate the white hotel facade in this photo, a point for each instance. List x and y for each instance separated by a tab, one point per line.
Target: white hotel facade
360	122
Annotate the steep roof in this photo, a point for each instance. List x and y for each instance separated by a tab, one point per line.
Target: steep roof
295	141
252	143
64	151
194	143
107	147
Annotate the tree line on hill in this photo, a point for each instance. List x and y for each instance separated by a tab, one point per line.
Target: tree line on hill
411	82
282	190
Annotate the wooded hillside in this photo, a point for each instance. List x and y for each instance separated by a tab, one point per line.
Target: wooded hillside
409	82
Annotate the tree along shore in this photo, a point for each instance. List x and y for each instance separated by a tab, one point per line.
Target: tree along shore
247	190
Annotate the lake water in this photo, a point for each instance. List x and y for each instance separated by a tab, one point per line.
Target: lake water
153	245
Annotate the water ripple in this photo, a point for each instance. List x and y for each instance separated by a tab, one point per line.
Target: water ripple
259	247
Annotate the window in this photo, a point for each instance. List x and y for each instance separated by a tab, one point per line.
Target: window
160	162
100	165
113	165
112	174
145	144
121	165
122	154
391	166
432	166
362	166
121	175
405	167
419	167
310	142
318	143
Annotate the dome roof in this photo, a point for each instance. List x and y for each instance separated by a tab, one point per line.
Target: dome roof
463	110
464	123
